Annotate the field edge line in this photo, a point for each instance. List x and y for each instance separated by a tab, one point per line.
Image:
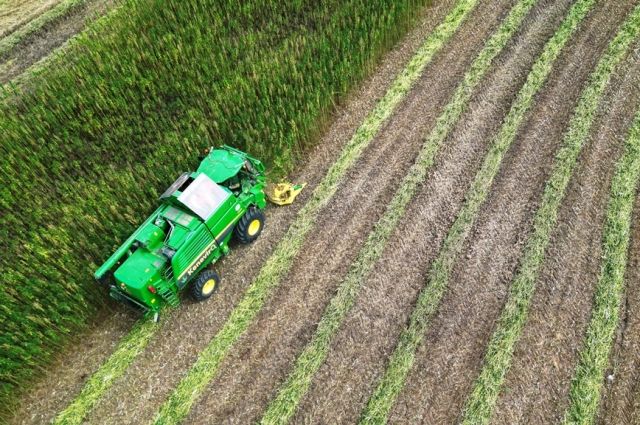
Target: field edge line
291	392
179	403
480	404
401	360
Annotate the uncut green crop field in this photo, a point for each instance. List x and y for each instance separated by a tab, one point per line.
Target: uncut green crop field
465	250
89	141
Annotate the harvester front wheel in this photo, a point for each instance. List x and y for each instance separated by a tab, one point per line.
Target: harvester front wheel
250	226
205	285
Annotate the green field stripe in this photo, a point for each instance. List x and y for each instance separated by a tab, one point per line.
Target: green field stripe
128	349
284	405
204	369
401	360
12	40
584	396
498	357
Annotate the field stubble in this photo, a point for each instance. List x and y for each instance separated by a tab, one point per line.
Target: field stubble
621	399
42	42
445	368
357	357
16	13
545	356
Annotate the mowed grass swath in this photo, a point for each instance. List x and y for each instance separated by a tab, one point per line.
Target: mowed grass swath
499	354
587	383
179	403
314	354
90	141
59	11
402	358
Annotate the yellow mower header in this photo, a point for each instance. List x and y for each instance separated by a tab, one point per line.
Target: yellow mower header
283	193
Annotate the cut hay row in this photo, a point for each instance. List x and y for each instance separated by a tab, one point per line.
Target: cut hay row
401	360
584	396
60	10
17	13
289	395
204	369
498	357
132	345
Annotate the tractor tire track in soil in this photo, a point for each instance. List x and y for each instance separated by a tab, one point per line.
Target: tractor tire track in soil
546	354
51	37
138	394
250	375
358	358
621	398
446	367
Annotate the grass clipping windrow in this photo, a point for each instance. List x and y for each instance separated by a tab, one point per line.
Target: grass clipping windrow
401	361
514	315
283	406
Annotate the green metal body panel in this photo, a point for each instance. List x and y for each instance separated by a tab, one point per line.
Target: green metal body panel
221	165
190	230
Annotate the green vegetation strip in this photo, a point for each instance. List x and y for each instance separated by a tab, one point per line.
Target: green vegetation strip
12	40
283	406
484	395
128	349
594	356
392	382
175	409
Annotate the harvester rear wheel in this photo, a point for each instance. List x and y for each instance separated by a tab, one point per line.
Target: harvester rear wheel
205	285
250	226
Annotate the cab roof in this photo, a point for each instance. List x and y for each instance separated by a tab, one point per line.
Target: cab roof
221	164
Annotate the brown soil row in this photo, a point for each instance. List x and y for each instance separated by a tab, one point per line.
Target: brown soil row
621	398
151	378
450	359
359	353
51	37
546	356
251	374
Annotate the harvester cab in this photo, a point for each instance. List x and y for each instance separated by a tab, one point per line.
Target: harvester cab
191	229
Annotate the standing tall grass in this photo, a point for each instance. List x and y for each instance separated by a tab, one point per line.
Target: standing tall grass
89	142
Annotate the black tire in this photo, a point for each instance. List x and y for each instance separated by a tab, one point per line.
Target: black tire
202	288
250	225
